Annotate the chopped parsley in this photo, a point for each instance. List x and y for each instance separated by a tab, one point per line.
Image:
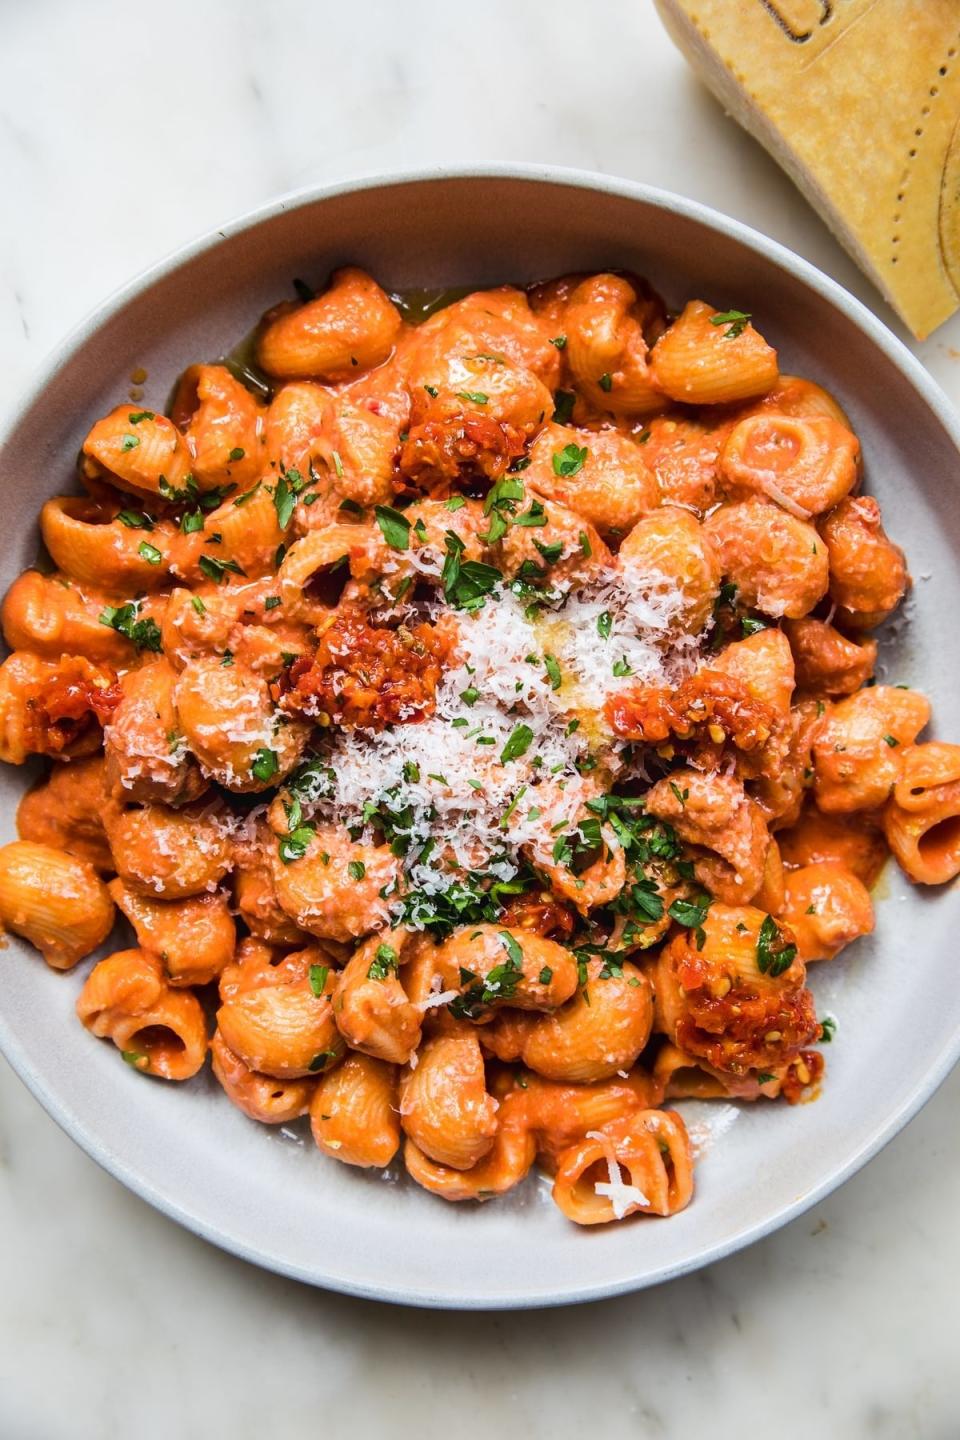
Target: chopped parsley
472	898
294	845
288	487
726	595
736	322
534	517
691	914
248	494
518	743
145	634
512	948
192	495
577	847
312	781
570	460
500	983
563	403
466	582
135	520
384	961
496	529
552	552
265	764
512	806
774	955
216	569
318	978
394	527
501	506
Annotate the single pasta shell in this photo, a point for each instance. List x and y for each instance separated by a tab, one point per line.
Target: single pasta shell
700	363
54	900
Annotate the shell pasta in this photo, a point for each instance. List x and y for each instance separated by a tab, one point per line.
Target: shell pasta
470	718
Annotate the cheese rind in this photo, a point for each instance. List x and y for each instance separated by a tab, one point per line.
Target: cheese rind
858	101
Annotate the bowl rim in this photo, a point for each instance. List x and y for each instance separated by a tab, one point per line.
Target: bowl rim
778	254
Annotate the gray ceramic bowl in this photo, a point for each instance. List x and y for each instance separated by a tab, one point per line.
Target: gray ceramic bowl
275	1200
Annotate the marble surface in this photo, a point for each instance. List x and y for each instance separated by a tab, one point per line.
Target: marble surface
125	131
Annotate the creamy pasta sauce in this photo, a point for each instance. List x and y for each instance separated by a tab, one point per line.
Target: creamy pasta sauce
473	693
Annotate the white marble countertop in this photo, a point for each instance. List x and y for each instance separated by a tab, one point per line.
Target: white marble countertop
125	131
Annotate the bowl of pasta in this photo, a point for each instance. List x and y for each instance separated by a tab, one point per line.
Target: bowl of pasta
470	765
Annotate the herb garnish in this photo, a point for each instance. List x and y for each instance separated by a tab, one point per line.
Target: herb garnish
774	955
265	764
518	743
394	526
384	961
216	569
570	460
736	322
318	979
145	634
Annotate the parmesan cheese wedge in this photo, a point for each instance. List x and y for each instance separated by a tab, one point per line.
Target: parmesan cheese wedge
858	100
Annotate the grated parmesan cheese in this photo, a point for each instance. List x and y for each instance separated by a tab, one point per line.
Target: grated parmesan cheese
440	997
446	773
615	1189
